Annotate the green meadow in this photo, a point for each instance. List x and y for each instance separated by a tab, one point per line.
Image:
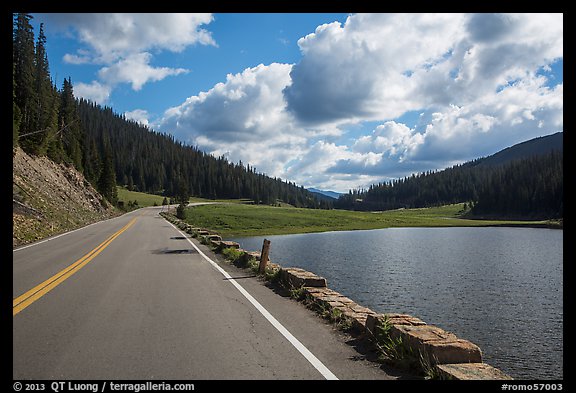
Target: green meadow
232	220
145	200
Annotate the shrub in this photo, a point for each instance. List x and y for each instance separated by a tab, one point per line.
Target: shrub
232	254
181	211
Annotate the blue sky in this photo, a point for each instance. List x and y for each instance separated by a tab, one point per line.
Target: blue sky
332	101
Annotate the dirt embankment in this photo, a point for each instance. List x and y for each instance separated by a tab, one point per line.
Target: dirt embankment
50	198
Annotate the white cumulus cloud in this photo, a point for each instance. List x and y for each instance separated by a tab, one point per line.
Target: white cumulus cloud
123	44
243	118
136	70
480	81
94	91
138	115
113	36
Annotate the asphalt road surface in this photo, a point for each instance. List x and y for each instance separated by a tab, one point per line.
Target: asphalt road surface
132	298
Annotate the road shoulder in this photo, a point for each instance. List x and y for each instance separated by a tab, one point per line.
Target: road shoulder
348	357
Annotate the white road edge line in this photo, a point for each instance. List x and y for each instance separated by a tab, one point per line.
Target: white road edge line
318	365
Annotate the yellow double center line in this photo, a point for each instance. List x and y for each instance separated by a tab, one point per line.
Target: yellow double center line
23	301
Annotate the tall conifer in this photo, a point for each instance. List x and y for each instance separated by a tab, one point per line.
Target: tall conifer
23	60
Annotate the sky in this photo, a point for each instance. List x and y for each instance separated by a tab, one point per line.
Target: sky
331	101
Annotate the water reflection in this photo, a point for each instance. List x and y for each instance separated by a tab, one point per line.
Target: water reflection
500	288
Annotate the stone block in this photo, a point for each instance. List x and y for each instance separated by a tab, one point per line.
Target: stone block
296	278
246	256
404	319
375	320
372	321
253	254
212	237
273	266
229	244
359	309
358	319
440	345
226	244
471	371
315	291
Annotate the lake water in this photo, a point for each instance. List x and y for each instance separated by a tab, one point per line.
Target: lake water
501	288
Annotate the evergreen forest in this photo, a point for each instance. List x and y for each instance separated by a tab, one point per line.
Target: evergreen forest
109	149
522	188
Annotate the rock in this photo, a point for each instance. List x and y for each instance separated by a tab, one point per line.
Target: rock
404	319
375	320
471	371
441	346
247	256
214	238
253	254
229	244
61	195
360	309
358	318
296	278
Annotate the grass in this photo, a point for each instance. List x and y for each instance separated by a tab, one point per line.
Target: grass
145	200
231	220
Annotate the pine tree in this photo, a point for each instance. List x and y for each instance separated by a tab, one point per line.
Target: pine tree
107	180
15	113
55	147
43	121
23	61
182	195
92	162
69	122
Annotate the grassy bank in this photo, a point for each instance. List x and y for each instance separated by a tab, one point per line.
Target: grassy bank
232	220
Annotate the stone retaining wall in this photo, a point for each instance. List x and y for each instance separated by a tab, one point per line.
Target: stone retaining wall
450	356
453	357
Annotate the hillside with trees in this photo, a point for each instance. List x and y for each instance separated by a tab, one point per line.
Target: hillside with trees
524	181
108	149
153	162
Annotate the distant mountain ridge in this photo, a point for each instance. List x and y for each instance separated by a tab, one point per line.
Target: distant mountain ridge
329	194
533	147
524	181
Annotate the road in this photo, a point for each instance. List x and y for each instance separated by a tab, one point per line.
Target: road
131	298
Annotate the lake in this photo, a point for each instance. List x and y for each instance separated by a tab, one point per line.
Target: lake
501	288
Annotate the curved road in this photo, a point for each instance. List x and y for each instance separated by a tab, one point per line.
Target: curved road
131	298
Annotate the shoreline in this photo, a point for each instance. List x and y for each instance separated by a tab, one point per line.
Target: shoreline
268	233
234	220
304	232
